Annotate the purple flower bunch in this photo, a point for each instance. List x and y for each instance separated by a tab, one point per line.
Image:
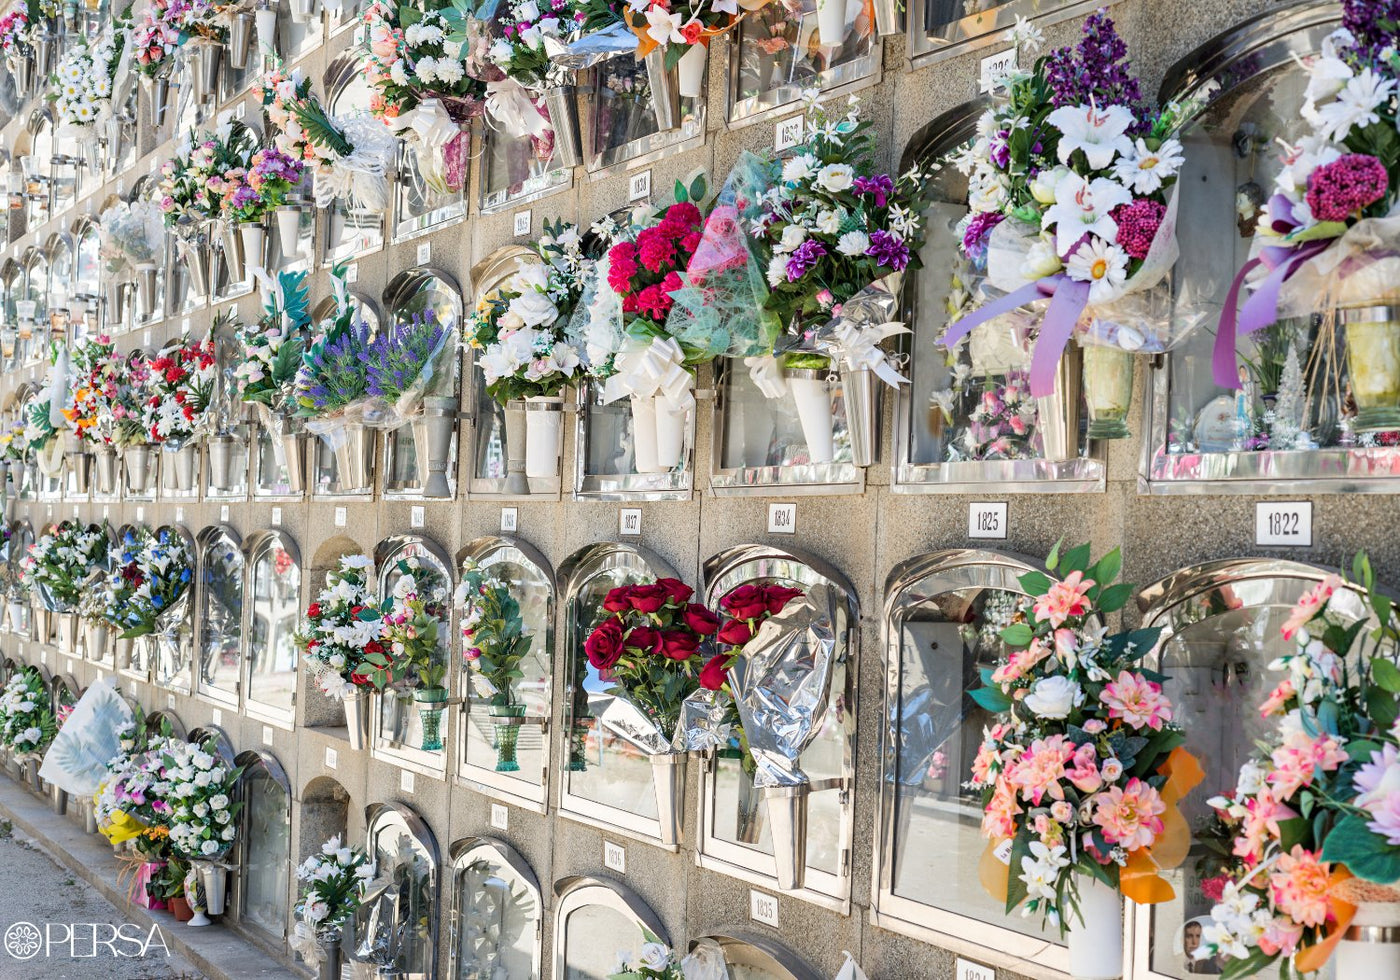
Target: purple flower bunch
333	371
402	355
1096	70
1373	23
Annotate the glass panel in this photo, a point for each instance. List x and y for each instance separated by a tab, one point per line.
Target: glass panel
586	955
88	268
497	913
513	168
221	616
780	54
146	191
293	39
266	852
36	175
350	230
419	206
1216	660
272	659
622	119
400	721
938	24
405	861
943	641
427	294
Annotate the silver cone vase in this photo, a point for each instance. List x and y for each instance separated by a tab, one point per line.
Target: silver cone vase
357	719
138	468
665	99
221	452
889	17
434	449
122	650
352	457
209	64
95	637
240	39
861	392
294	460
213	878
160	100
105	470
146	289
517	483
31	771
68	633
232	243
58	799
330	967
44	47
194	257
668	783
786	808
89	819
78	460
184	460
1057	414
561	102
22	71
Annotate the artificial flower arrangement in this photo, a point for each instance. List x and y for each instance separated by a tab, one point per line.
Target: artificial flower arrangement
654	961
270	349
406	361
42	442
411	618
422	87
94	367
179	391
165	26
332	383
129	403
526	34
151	577
1070	186
265	190
61	561
333	886
84	85
131	235
14	34
350	156
204	800
1081	773
207	173
1310	835
27	723
494	642
133	801
339	637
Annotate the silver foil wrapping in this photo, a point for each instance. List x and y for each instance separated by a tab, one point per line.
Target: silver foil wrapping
593	48
782	682
703	721
624	718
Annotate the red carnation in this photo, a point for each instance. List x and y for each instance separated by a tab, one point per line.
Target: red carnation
684	211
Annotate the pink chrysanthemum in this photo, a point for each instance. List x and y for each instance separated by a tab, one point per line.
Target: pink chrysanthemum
1137	225
1342	188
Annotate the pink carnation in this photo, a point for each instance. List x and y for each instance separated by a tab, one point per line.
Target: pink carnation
1310	605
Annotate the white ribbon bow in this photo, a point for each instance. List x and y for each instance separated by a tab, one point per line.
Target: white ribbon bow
657	368
509	103
305	943
767	374
361	176
858	348
431	126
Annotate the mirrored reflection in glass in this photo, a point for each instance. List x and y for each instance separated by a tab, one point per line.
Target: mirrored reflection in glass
266	852
513	168
394	927
780	53
622	120
588	958
497	912
220	616
419	205
272	654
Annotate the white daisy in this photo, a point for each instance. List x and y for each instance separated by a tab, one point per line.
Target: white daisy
1103	266
1145	170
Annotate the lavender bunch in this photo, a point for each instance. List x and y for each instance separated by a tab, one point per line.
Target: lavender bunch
403	355
1100	72
332	374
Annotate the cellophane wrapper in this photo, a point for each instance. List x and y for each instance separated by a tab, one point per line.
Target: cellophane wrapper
1362	267
593	48
434	378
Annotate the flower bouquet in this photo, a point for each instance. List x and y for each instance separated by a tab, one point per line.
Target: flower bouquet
266	189
519	334
494	641
411	380
195	29
155	574
92	379
332	387
1081	774
131	415
179	394
204	803
333	886
61	561
132	235
27	724
412	616
340	640
197	189
622	323
270	354
422	87
1070	194
90	79
649	647
133	803
42	444
536	98
1311	832
17	49
1326	243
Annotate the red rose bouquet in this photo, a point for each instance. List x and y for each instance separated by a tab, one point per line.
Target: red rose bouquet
748	608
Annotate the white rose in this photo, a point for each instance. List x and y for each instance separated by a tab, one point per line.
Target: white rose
1043	186
654	956
836	177
1054	697
534	309
219	802
1041	261
793	236
210	847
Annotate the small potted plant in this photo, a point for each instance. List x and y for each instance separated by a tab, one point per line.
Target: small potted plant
494	642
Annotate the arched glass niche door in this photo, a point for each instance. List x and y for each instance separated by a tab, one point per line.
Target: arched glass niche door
59	251
1204	438
619	121
274	581
145	190
66	693
497	913
19	536
1221	627
595	925
418	208
396	927
490	449
940	29
87	276
350	231
753	958
101	655
398	725
416	293
34	306
265	844
734	836
219	647
967	419
605	781
11	282
479	760
38	180
172	642
942	623
519	169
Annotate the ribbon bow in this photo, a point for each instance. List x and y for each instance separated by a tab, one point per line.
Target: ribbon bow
306	943
359	176
655	369
858	348
509	103
767	374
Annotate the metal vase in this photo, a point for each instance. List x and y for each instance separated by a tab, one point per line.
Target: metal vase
89	819
861	392
105	469
352	452
516	481
221	450
138	468
146	289
194	257
240	39
95	637
434	449
78	460
45	621
668	783
294	460
184	460
330	966
1057	414
58	799
232	243
889	17
265	17
302	10
561	102
213	878
31	772
787	827
357	719
665	99
160	99
208	63
22	71
68	633
44	46
123	648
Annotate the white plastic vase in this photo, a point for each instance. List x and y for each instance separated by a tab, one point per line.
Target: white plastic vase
658	434
831	22
1374	953
289	229
254	239
1096	933
544	437
691	71
644	434
670	434
814	412
267	28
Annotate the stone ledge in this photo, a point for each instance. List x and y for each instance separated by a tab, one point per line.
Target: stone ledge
217	952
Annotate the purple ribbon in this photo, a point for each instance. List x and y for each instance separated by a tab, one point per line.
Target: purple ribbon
1068	298
1259	310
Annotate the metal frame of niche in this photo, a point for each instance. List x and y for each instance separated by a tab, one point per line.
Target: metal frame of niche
180	658
486	552
947	571
484	416
578	570
614	161
30	264
386	554
461	855
382	817
931	41
721	574
209	538
252	760
343	71
1082	474
861	72
760	954
1263	44
401	289
580	891
1195	594
258	547
154	719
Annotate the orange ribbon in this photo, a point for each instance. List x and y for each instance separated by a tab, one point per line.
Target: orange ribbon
1310	958
1140	879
